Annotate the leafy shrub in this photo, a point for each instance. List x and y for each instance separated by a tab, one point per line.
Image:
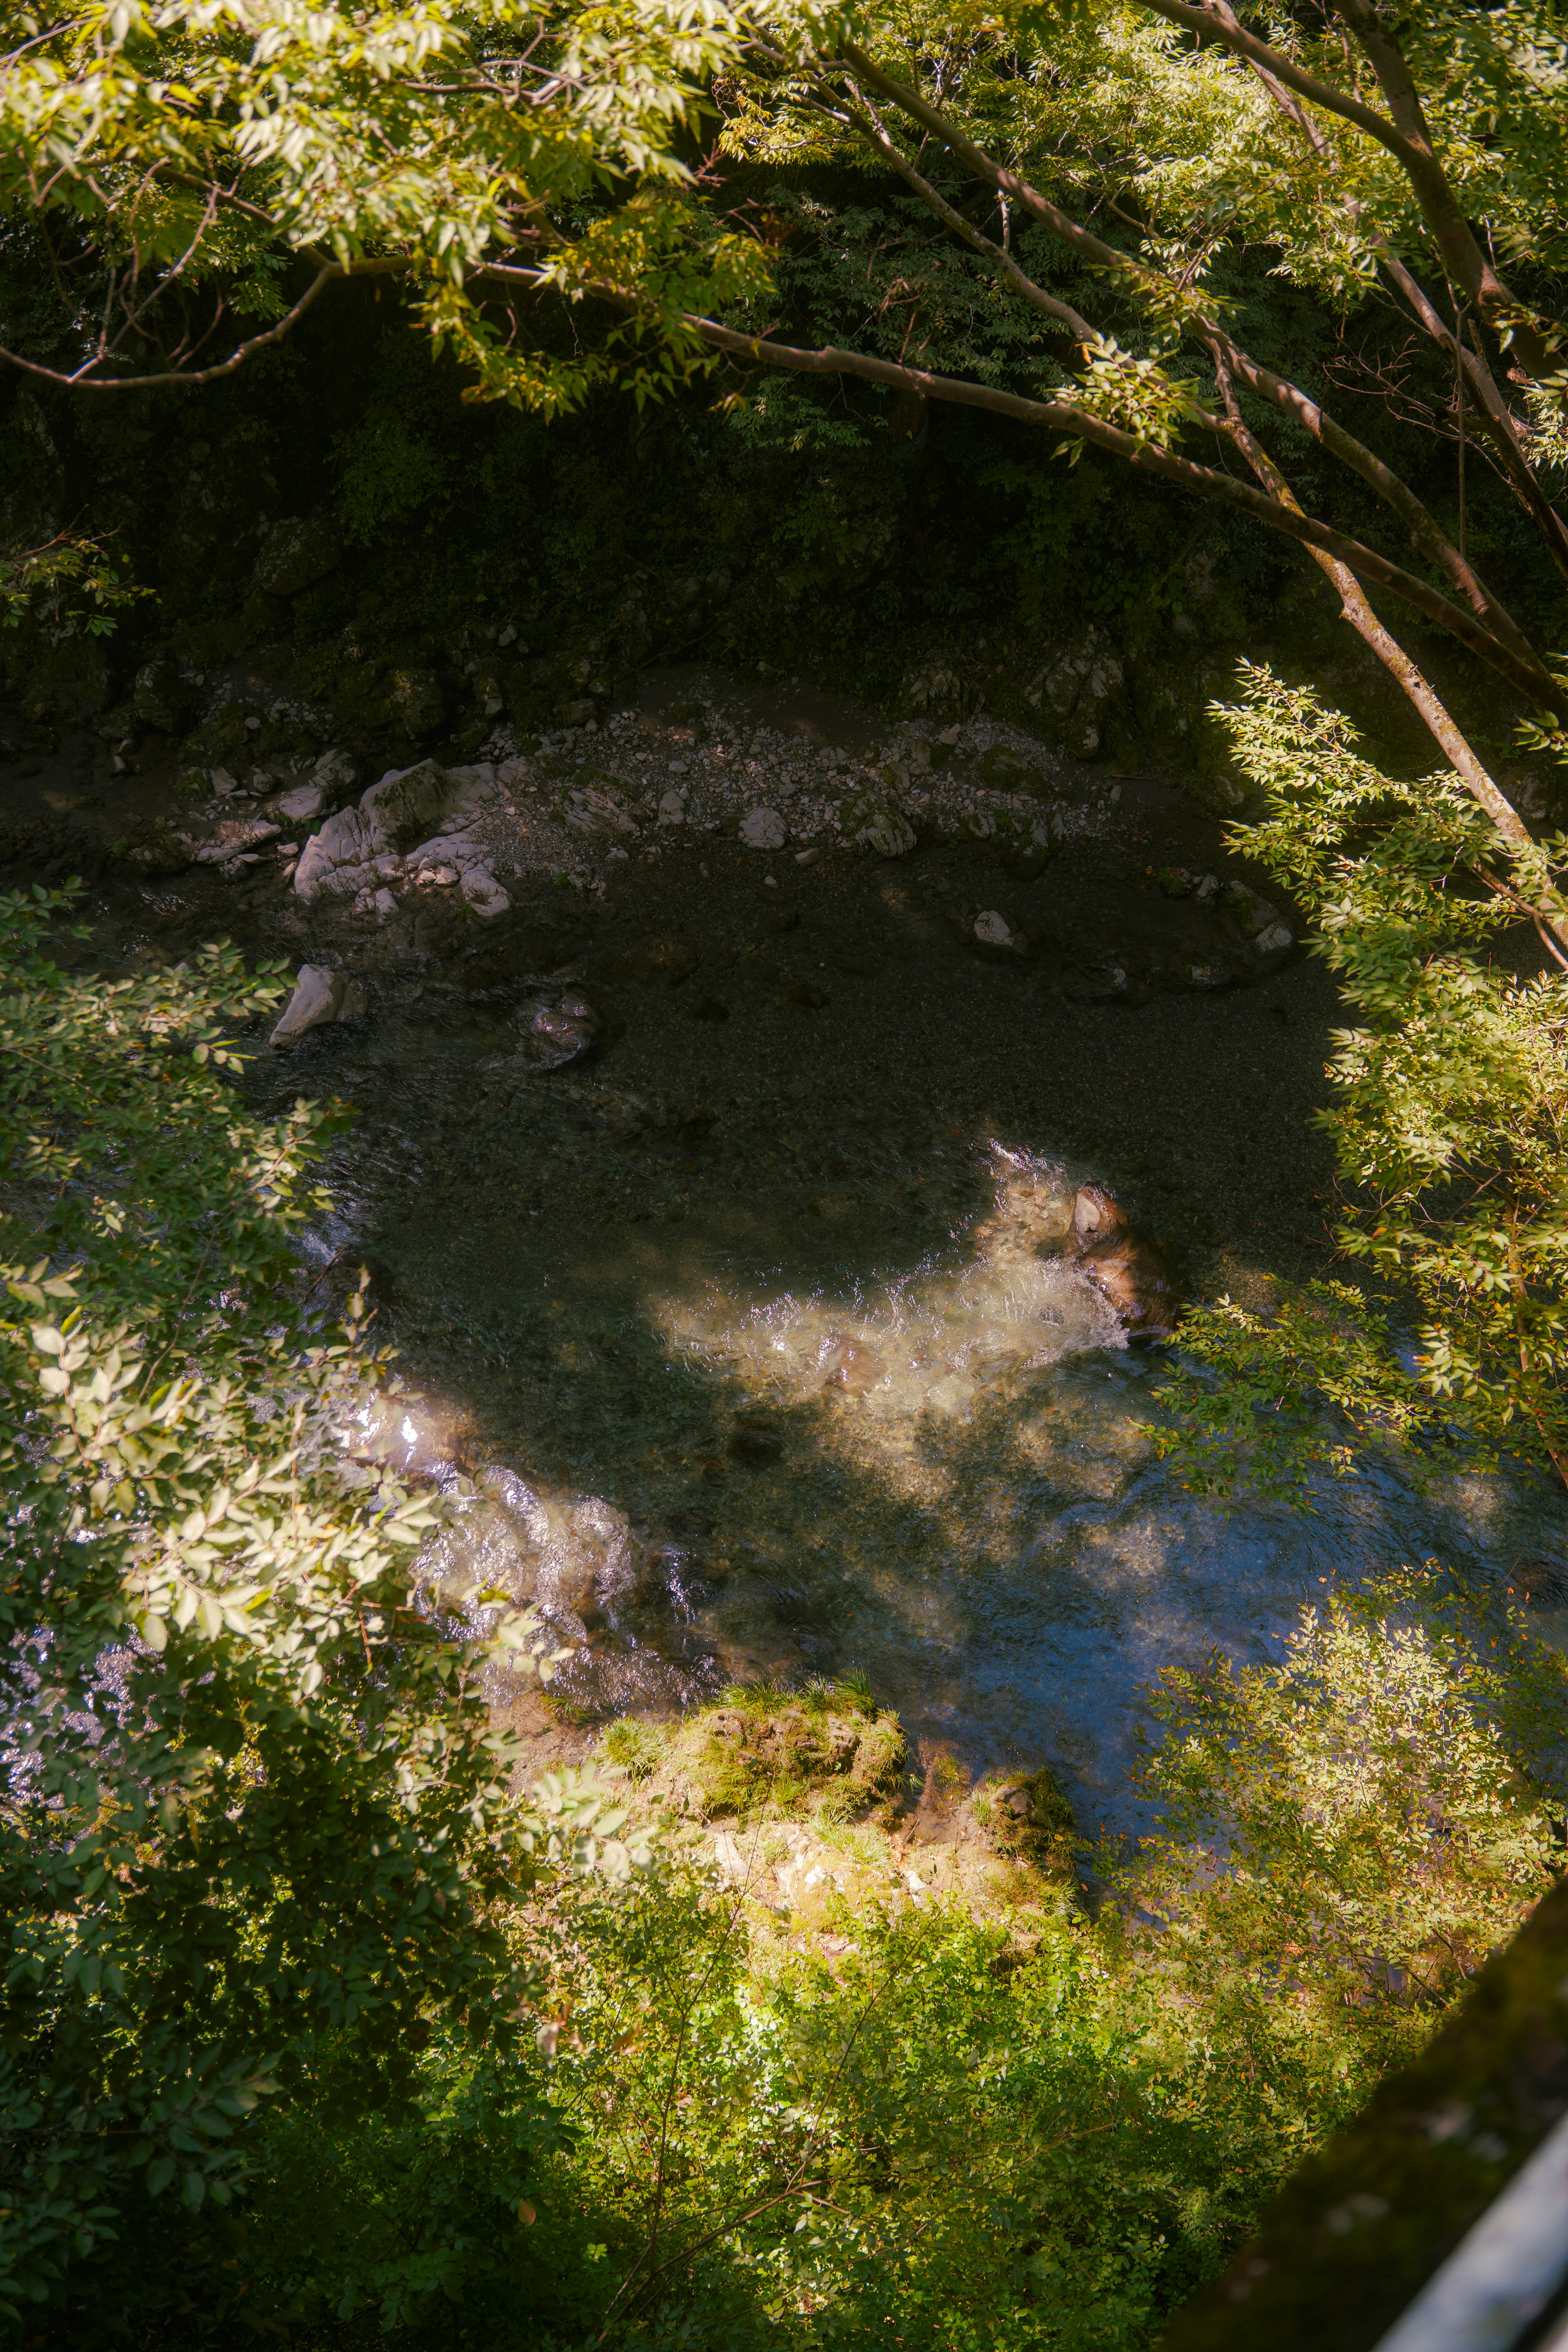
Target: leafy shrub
256	1829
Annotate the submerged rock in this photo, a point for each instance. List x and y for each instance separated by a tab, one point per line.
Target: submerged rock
559	1029
1124	1267
856	1369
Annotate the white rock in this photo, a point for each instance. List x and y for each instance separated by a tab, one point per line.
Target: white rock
347	843
386	905
1274	939
807	856
319	996
993	931
672	807
484	893
764	828
298	806
223	782
457	849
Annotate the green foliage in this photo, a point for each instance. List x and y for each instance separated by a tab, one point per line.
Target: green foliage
425	141
1447	1120
1348	1834
251	1799
66	587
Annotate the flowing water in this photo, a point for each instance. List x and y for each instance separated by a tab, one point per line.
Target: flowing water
718	1439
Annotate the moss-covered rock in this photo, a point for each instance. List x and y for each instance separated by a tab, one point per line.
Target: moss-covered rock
762	1753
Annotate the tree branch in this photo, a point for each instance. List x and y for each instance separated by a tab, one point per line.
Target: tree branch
1423	528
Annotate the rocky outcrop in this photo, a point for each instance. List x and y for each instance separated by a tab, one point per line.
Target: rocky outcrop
361	851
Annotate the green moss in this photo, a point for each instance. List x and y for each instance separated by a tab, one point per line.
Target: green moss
760	1750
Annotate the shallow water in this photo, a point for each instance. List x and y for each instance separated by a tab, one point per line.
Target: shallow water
737	1442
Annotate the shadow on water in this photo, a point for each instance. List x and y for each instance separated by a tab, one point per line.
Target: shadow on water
718	1426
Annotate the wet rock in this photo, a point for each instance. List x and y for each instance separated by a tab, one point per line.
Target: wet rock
764	828
298	551
854	1370
1120	944
559	1029
161	697
1123	1264
993	930
755	1443
163	854
319	997
1269	933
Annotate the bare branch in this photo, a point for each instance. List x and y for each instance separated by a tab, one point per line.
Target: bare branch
236	357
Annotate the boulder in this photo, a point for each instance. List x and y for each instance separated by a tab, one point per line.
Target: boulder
161	697
559	1029
993	930
1123	1264
1003	770
409	802
764	828
483	892
336	775
298	806
592	810
319	997
873	826
1078	693
298	551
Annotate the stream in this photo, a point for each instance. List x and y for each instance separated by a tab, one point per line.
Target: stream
718	1437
